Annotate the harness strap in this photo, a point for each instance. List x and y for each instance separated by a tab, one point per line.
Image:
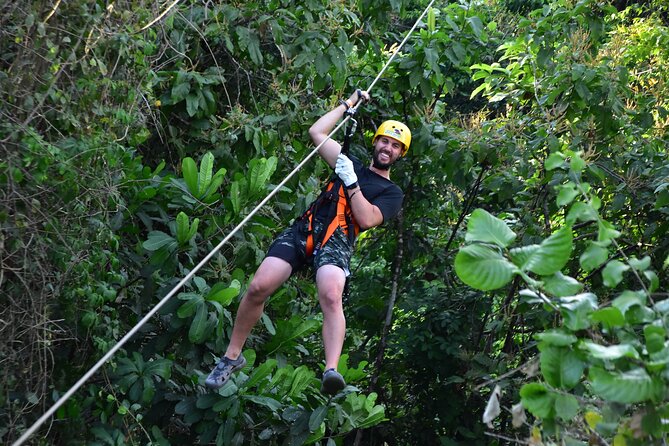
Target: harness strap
339	216
309	214
343	219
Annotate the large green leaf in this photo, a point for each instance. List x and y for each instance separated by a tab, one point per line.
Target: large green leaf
538	400
560	285
224	294
609	317
236	197
566	406
580	211
205	175
555	160
547	258
634	386
482	268
260	373
301	379
157	240
189	171
181	86
655	337
216	181
566	194
259	173
249	40
629	299
291	329
375	416
606	231
593	256
613	273
484	227
183	227
317	417
198	326
576	310
560	366
523	256
188	308
556	337
193	103
265	401
610	352
159	367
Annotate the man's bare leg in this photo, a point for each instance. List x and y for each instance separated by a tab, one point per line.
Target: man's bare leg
271	274
330	281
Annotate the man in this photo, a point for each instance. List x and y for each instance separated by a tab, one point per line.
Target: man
323	238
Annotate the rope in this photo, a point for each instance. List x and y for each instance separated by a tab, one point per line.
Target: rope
213	252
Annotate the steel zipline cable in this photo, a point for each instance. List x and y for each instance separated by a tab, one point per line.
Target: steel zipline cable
28	433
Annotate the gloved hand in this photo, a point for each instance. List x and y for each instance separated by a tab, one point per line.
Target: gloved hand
344	169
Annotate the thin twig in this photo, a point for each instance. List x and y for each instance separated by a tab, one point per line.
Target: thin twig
53	10
507	374
148	25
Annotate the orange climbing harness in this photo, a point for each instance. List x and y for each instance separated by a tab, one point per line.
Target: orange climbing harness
339	215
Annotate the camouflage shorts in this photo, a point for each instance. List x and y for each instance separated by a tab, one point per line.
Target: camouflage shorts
291	244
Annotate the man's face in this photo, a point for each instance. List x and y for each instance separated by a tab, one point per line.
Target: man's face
386	152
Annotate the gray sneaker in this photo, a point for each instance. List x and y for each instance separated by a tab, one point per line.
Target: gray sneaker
223	371
332	382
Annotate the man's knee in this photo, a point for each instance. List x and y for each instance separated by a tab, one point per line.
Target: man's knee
259	290
331	296
270	275
331	281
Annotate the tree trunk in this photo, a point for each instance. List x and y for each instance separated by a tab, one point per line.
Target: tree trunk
397	267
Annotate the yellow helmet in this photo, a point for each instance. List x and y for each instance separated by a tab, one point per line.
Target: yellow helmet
397	131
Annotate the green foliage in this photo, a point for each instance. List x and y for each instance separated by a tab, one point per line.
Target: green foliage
125	155
621	369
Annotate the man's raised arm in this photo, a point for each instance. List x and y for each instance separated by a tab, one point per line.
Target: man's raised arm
320	130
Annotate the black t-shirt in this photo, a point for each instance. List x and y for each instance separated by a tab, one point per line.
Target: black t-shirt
379	191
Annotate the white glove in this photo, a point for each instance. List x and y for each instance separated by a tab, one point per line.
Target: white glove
344	169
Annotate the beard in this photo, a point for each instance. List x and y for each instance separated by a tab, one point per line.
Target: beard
378	164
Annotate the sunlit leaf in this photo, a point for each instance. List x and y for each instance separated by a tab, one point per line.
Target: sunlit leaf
189	171
613	273
634	386
538	400
609	317
555	160
205	175
560	366
593	256
547	258
560	285
576	310
484	227
482	268
610	352
556	337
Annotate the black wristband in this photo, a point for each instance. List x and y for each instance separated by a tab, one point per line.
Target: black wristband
352	186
